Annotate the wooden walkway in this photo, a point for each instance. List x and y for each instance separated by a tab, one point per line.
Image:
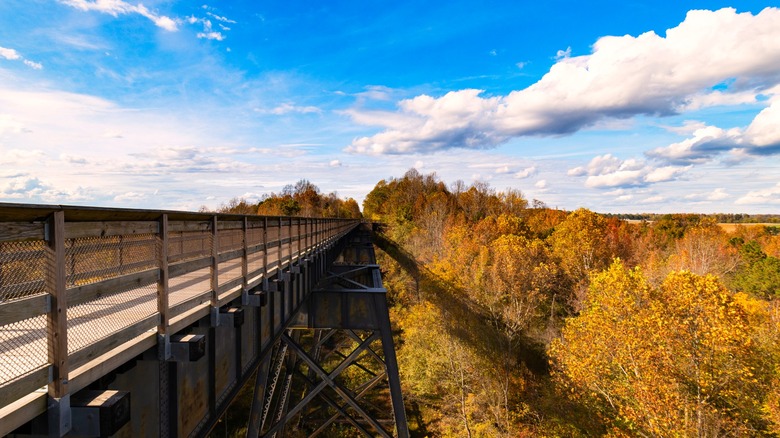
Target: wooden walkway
80	287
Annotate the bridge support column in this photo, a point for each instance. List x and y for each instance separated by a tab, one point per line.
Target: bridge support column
350	307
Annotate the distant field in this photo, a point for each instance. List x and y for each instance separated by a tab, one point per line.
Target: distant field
730	228
727	227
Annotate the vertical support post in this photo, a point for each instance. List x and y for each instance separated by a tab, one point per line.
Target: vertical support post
290	243
299	238
214	272
245	253
265	249
280	249
59	397
383	318
162	288
163	338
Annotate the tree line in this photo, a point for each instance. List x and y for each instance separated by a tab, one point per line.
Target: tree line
301	199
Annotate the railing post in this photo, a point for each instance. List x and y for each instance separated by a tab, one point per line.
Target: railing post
59	396
265	249
162	289
163	337
245	254
280	249
289	244
214	272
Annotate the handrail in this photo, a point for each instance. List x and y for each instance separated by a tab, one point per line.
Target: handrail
76	282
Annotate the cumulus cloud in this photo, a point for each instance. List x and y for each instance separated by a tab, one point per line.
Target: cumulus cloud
766	196
608	171
119	7
26	187
711	58
13	55
9	54
718	194
761	137
526	173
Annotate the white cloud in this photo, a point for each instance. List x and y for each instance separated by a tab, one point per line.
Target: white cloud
541	184
130	197
13	55
220	18
287	108
770	195
563	54
119	7
526	173
335	163
9	54
609	171
717	98
503	169
624	76
217	36
33	65
718	195
761	137
653	200
376	92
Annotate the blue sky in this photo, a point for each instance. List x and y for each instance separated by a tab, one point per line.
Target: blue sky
614	106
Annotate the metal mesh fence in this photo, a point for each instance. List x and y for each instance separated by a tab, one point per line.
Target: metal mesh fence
230	240
92	259
23	347
107	315
183	245
24	266
22	269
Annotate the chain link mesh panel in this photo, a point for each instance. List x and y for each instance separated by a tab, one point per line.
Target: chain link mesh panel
184	245
107	315
92	259
24	266
230	240
23	348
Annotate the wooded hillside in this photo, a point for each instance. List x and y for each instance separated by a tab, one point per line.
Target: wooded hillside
520	320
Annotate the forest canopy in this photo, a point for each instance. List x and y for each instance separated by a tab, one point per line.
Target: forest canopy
520	320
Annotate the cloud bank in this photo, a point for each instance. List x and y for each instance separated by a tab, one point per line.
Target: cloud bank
711	58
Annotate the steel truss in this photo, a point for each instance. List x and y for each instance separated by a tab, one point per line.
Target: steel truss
336	367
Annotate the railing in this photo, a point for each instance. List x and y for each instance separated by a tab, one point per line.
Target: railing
76	283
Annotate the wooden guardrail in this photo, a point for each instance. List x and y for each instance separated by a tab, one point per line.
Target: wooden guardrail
78	282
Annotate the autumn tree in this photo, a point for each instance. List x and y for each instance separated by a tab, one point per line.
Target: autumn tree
238	206
676	360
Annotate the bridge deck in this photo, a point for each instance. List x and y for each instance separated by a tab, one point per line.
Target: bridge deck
122	274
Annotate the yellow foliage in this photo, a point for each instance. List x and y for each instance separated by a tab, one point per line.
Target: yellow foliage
677	360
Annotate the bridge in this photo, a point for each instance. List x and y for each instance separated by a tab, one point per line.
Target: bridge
120	322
